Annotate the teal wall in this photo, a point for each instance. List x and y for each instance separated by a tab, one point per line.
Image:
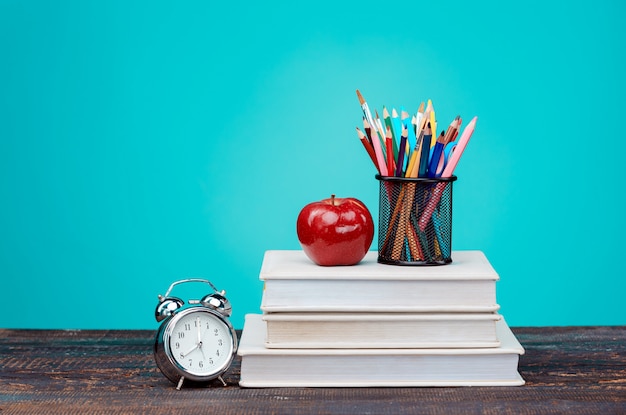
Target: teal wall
147	141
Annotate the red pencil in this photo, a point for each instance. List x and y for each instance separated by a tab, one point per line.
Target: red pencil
368	131
389	145
368	147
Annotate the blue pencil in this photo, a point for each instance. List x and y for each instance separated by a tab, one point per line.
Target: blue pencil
435	159
423	167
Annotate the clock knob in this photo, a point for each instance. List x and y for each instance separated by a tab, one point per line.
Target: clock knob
167	307
217	302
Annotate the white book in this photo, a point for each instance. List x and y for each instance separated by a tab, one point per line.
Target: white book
262	367
293	283
381	330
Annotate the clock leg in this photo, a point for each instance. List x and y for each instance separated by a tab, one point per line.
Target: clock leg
222	380
180	383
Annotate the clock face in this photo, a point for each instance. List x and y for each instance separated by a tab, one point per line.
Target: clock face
200	343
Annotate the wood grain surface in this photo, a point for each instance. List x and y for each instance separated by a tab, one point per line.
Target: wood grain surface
567	370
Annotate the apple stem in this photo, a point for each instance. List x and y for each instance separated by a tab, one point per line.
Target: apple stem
332	200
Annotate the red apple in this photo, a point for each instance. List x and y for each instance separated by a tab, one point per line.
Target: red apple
335	231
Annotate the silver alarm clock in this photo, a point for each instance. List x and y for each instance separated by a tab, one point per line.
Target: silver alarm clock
195	343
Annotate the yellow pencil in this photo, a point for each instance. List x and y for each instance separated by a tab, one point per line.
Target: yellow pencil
413	169
412	162
416	120
433	123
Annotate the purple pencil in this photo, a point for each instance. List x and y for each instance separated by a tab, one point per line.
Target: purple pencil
400	163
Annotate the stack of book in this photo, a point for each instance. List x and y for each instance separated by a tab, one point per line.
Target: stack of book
378	325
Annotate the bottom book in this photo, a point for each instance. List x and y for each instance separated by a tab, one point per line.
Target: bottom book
262	367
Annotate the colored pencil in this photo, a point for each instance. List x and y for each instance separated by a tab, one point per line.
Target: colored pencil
401	150
406	122
413	169
451	143
437	160
433	165
383	136
404	118
433	123
397	126
368	130
389	146
425	151
418	117
368	147
460	147
455	131
389	125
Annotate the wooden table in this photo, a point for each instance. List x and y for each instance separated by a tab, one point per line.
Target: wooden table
567	370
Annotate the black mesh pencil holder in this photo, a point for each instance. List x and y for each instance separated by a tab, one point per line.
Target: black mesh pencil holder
415	221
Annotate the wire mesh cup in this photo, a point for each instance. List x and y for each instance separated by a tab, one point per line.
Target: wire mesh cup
415	220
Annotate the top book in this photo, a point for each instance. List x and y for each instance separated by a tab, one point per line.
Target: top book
293	283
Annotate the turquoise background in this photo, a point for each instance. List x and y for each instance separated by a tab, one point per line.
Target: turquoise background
147	141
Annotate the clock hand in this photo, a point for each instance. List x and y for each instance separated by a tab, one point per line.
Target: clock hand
200	338
202	351
199	332
183	355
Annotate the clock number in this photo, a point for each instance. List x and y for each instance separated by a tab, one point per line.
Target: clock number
215	331
187	326
201	364
190	362
220	342
210	360
178	345
181	335
217	352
